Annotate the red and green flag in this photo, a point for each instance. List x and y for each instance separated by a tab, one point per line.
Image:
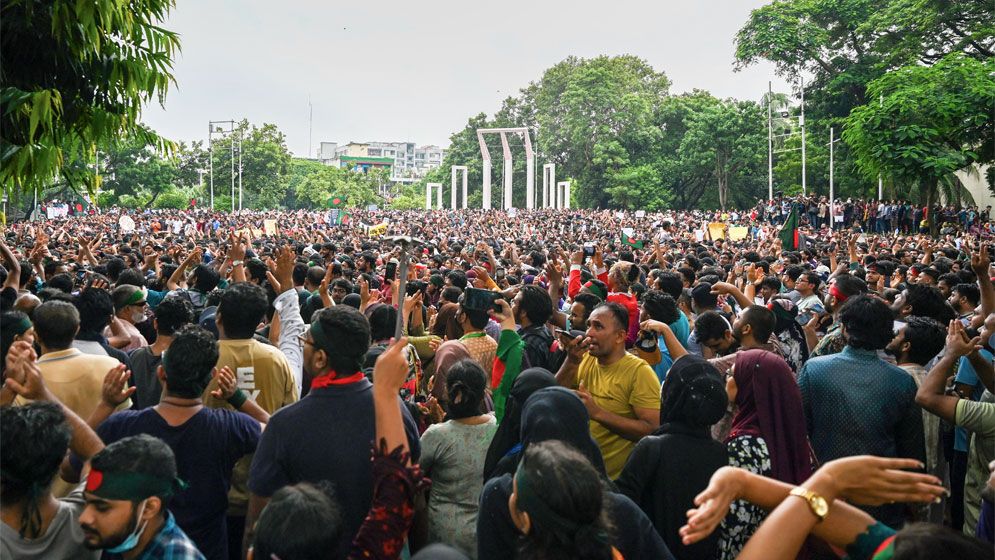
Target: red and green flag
335	201
628	240
789	232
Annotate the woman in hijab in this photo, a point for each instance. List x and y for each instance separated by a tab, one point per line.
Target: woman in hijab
449	352
554	413
693	398
507	440
789	333
557	414
768	436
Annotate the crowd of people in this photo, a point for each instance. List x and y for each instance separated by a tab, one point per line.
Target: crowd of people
588	384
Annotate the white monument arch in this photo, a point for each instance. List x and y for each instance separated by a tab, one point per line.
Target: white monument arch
562	198
453	172
548	183
508	169
428	195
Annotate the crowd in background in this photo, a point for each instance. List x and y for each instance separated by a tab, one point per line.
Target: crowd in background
586	384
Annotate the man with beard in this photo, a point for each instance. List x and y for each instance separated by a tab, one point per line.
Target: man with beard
532	308
127	492
326	435
620	391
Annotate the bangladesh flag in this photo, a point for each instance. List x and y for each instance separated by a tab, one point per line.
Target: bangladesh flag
789	232
628	240
335	202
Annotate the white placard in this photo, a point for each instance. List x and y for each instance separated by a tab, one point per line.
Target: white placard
127	224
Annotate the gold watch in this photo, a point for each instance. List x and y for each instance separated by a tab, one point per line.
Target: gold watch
816	503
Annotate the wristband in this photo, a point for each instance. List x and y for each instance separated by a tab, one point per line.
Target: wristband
236	263
574	267
238	399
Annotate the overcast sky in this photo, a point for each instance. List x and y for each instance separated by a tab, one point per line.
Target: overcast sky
416	70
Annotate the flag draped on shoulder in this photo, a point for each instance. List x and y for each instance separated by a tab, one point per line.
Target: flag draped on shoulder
507	366
789	232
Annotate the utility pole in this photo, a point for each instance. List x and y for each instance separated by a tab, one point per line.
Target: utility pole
240	169
802	122
231	142
770	144
832	192
210	148
880	180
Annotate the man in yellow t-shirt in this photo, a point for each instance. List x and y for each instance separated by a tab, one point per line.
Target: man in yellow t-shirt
620	391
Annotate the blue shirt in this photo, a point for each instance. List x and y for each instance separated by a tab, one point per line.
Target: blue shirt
206	448
967	376
681	329
171	543
666	360
857	404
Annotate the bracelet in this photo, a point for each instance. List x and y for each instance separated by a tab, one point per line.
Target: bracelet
238	399
236	263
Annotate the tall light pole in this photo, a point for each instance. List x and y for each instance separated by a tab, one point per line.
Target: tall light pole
832	193
880	180
770	144
210	149
802	123
240	169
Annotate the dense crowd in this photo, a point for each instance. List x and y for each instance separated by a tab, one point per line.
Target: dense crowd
802	379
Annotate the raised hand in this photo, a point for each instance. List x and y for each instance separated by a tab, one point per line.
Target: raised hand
115	391
226	384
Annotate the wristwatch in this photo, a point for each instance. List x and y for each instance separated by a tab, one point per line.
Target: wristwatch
815	502
236	263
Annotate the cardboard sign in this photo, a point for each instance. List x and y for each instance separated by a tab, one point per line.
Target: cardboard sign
716	230
376	230
269	226
737	233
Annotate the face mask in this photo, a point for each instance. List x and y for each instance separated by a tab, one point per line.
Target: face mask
132	540
991	341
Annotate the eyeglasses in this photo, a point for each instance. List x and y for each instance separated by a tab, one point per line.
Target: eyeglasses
305	340
140	304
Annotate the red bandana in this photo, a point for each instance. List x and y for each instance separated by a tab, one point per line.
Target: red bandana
330	379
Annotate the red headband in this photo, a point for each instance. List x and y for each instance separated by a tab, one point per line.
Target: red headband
837	293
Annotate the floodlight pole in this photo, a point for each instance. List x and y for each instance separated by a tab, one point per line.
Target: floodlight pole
880	180
210	149
240	169
770	144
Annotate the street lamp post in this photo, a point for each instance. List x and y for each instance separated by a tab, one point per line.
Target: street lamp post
770	144
211	131
832	193
802	123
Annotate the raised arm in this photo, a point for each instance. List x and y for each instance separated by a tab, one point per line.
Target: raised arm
931	394
981	265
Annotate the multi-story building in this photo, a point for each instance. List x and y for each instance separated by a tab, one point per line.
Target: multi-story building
407	162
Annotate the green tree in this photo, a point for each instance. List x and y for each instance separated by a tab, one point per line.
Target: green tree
265	160
353	187
931	121
130	167
75	76
726	139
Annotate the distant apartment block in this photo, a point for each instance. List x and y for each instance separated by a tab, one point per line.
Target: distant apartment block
406	161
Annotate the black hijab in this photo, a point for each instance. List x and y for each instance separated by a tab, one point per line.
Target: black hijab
508	434
555	413
693	396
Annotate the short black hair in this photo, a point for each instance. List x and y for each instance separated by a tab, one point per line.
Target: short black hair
928	301
349	331
771	283
132	277
33	441
242	306
812	278
478	317
315	275
256	269
868	322
171	314
114	267
969	291
189	362
589	301
95	308
205	278
300	273
849	285
703	297
451	294
660	306
671	283
142	454
536	304
301	521
342	283
761	320
56	323
457	278
382	322
711	325
618	311
62	282
793	272
926	338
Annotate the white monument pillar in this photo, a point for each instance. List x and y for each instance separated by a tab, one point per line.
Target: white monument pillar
548	183
428	195
455	169
564	187
508	170
487	170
